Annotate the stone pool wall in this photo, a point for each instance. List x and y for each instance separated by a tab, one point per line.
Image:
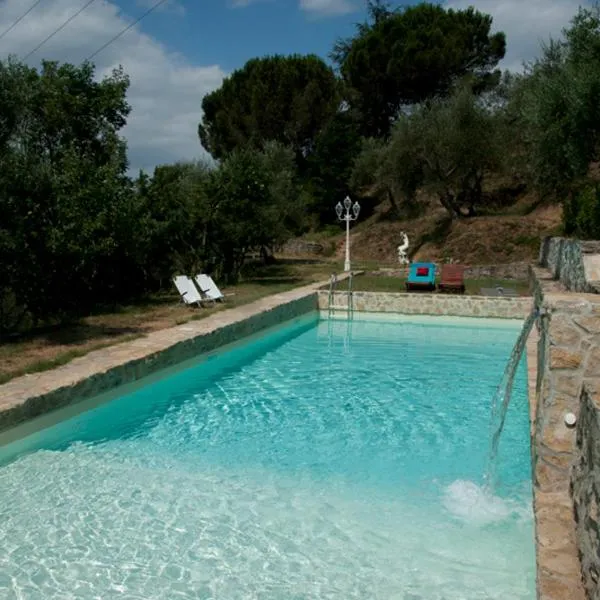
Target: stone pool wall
33	395
575	263
430	304
565	468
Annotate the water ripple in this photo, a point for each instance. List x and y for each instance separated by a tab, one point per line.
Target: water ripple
317	468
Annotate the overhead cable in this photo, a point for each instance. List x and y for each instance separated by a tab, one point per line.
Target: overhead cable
73	16
15	23
126	29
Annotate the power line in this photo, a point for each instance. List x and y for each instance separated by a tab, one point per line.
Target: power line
125	29
73	16
19	19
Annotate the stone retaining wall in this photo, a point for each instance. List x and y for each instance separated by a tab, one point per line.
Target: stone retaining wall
516	271
299	247
430	304
575	263
586	488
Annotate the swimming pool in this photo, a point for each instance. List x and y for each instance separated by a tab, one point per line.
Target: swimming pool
321	460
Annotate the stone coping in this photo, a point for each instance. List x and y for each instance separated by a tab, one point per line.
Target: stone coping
572	302
557	552
532	375
557	563
99	371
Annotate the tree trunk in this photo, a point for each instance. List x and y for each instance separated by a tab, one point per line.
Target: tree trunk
266	255
448	201
393	203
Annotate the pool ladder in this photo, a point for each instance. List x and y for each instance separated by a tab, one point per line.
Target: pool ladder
333	281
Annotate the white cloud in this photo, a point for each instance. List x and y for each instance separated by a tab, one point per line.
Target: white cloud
166	91
328	7
174	6
314	8
244	3
527	23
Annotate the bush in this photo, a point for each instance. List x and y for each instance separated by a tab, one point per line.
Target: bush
582	213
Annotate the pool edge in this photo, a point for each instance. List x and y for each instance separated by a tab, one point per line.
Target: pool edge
553	447
30	396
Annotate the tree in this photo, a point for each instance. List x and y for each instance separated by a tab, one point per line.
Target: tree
331	162
558	107
446	146
254	204
65	200
409	55
278	98
176	212
581	214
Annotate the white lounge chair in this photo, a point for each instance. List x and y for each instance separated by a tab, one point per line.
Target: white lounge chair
209	288
188	291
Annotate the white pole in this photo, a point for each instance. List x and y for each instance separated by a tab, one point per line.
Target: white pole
347	261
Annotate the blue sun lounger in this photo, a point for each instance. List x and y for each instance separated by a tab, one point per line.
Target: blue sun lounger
421	276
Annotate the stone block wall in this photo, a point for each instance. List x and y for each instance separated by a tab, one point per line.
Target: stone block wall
430	304
586	489
569	348
299	247
573	262
563	470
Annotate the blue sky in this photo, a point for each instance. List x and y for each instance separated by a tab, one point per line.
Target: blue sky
184	49
214	31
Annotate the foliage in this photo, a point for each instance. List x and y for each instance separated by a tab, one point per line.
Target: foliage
446	146
582	212
388	170
365	168
278	98
406	56
175	214
330	164
254	204
559	107
200	218
65	201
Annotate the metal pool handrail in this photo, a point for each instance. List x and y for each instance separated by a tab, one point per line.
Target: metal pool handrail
350	297
332	286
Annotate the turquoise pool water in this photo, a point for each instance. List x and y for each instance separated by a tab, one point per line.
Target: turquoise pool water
322	460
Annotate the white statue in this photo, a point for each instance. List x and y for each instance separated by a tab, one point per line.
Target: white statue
402	250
